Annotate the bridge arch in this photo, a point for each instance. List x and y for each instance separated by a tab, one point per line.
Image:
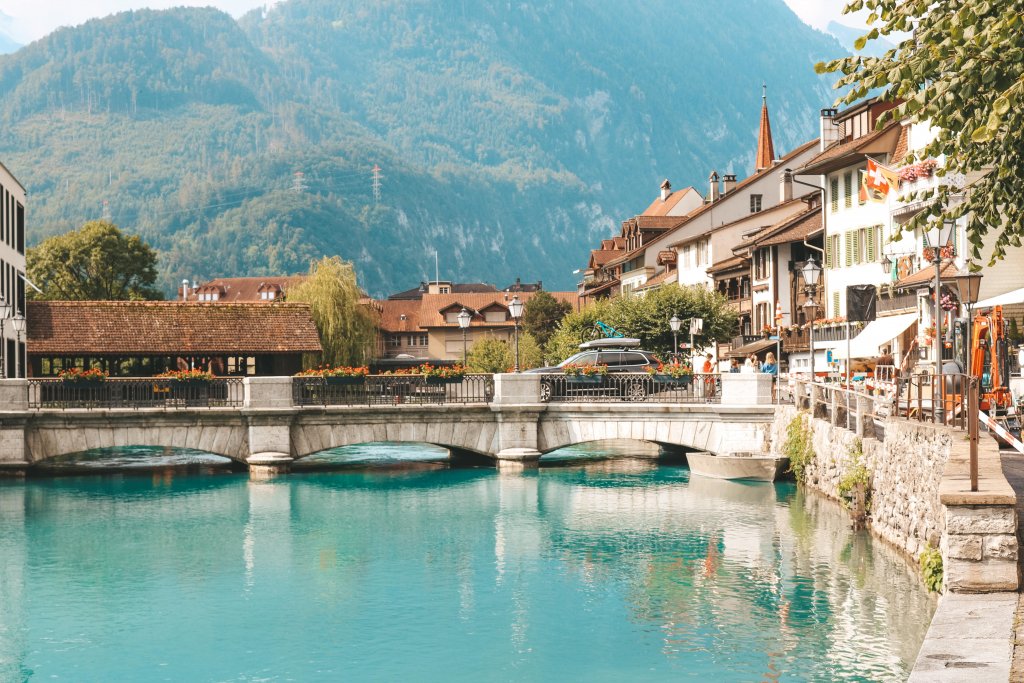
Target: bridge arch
133	457
387	452
465	432
56	438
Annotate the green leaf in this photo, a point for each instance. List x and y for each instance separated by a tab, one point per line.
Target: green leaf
1001	106
981	134
860	43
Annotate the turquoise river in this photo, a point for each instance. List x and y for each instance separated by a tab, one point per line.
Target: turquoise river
600	566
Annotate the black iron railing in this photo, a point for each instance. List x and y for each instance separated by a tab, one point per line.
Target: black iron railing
391	390
698	388
225	392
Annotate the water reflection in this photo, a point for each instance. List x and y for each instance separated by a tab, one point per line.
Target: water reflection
581	571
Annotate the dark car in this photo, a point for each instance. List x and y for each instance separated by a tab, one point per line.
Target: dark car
620	355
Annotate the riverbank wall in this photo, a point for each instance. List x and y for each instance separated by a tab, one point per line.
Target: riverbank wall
920	494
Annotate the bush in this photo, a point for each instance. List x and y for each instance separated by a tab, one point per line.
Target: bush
798	447
931	568
491	354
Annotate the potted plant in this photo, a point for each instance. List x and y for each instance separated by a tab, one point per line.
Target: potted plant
191	376
680	374
188	384
585	373
83	377
343	375
443	374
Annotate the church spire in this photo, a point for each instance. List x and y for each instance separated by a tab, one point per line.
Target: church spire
765	148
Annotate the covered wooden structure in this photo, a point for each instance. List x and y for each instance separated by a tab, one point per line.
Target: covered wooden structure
145	338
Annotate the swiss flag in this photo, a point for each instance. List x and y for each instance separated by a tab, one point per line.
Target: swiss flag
877	182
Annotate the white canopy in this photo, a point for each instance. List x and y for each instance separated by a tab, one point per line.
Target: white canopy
878	332
1005	299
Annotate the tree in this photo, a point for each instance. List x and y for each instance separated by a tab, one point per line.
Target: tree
347	327
961	69
95	262
541	316
491	354
646	318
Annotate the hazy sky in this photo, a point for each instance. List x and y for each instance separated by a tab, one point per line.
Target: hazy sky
32	19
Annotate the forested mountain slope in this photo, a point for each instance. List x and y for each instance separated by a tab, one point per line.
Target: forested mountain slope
510	135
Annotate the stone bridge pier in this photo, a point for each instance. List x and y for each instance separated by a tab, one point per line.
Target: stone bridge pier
268	432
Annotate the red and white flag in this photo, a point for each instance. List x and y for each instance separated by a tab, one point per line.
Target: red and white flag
877	182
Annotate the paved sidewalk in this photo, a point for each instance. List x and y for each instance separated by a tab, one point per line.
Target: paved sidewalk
1013	470
970	640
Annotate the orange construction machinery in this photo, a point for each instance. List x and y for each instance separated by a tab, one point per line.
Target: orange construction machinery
989	359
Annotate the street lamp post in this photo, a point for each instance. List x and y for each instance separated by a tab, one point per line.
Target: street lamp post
969	285
19	329
464	319
938	237
675	323
811	272
5	311
515	309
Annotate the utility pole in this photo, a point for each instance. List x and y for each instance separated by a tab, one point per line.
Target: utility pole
376	183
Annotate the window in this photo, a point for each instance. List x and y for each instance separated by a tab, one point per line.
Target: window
393	341
848	248
755	203
611	358
451	316
835	304
762	264
871	250
848	190
495	316
829	253
444	290
833	193
417	340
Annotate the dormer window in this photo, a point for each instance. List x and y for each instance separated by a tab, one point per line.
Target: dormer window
452	316
497	316
444	290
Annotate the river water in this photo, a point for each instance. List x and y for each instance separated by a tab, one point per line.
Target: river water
617	569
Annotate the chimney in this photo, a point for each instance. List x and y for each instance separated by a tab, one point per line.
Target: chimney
184	290
666	189
785	186
728	183
713	191
829	129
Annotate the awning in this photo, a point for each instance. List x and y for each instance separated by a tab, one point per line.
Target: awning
753	347
1014	297
877	333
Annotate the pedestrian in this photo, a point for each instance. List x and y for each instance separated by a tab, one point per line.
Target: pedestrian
709	377
734	365
771	367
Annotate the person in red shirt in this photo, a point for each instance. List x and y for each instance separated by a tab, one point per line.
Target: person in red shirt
709	379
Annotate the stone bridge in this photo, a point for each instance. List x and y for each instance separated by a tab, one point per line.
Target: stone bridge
268	433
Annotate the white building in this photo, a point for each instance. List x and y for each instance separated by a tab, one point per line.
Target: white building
12	274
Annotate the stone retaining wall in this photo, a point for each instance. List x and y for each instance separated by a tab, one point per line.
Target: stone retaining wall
920	493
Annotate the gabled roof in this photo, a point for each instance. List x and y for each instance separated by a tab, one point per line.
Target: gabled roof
927	276
795	228
170	328
842	154
661	207
430	310
242	289
660	279
457	288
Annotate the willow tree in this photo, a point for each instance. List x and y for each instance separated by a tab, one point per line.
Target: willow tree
347	326
960	68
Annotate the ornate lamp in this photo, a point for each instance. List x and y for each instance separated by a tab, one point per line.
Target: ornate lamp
515	309
464	319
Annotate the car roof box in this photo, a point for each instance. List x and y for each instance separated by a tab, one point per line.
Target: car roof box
611	343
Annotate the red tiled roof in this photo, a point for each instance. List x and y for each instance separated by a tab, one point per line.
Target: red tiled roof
428	311
927	275
239	289
661	208
765	147
899	153
124	328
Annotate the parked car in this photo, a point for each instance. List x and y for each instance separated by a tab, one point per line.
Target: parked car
619	355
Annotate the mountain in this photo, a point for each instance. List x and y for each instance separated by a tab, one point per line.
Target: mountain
511	136
7	43
846	35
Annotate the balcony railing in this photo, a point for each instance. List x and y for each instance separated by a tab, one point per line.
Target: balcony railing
391	390
900	301
630	387
221	392
743	339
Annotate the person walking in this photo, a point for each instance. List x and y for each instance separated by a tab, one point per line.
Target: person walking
771	367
